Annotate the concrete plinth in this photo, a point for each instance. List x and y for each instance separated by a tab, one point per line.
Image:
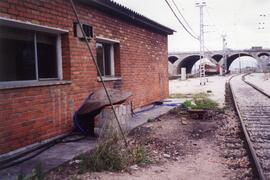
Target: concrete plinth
106	124
183	74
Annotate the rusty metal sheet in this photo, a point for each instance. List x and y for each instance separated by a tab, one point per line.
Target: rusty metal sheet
98	100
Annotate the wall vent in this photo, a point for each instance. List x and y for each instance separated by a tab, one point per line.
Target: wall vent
87	29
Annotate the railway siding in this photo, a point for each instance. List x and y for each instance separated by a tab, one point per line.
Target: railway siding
260	80
254	109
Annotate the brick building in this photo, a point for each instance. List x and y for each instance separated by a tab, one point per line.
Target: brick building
46	71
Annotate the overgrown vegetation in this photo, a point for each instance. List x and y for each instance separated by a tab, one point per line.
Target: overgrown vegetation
113	156
205	103
189	104
139	155
106	156
200	101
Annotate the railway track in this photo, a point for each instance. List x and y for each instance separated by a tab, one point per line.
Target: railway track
253	108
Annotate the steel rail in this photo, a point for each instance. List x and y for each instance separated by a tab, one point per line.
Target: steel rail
250	147
254	86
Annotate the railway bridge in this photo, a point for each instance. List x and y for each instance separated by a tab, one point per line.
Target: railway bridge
178	60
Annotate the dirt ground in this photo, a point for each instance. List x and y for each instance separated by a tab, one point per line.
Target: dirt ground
180	148
215	84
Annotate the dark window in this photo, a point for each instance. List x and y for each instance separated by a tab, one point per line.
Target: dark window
104	58
46	55
107	58
17	55
27	55
100	62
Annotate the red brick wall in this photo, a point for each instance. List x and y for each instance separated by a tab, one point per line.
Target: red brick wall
32	114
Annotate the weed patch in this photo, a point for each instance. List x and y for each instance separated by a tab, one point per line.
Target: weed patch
139	155
205	103
201	101
189	104
112	156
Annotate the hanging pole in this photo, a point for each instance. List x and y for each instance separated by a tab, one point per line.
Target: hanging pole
224	41
201	5
240	68
98	70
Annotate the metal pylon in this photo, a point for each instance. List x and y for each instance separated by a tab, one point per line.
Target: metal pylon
202	73
201	38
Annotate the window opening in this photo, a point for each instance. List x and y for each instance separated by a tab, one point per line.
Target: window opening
28	55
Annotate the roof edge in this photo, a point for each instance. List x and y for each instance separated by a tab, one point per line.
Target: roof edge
113	8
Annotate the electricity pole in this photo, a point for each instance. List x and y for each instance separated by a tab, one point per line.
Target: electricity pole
239	63
262	27
224	41
202	65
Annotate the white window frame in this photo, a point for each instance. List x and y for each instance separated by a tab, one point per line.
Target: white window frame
111	42
58	60
37	28
112	60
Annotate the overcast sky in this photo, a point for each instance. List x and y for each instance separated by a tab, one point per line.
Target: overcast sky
239	19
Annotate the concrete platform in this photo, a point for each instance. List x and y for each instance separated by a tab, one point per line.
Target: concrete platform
50	158
260	80
142	115
65	152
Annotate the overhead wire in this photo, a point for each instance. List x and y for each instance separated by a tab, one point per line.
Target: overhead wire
185	28
192	35
187	23
213	21
237	17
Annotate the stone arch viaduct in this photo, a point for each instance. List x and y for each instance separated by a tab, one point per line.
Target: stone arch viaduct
177	60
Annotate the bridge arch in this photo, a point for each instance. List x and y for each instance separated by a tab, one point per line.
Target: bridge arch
173	59
187	63
263	54
233	57
217	57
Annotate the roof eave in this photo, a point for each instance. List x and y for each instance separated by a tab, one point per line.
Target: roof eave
128	15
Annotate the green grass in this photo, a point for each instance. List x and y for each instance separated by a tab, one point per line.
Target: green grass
201	101
205	103
189	104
